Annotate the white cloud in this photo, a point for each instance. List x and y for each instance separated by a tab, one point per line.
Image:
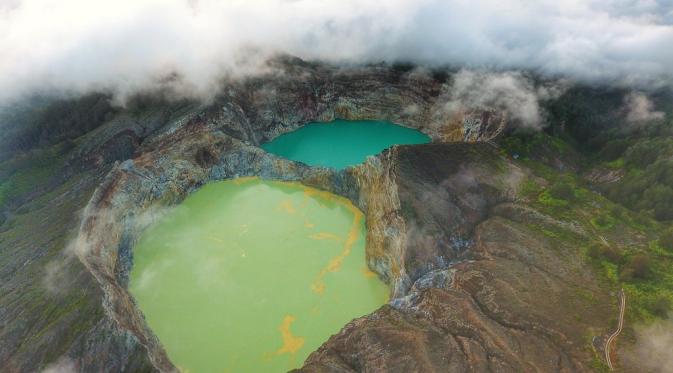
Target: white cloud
126	45
639	108
652	350
62	365
511	92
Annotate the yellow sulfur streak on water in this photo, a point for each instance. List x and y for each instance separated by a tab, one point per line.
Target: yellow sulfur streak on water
286	205
366	272
244	180
291	344
334	264
325	236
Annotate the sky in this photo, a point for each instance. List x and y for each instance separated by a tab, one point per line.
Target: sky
76	46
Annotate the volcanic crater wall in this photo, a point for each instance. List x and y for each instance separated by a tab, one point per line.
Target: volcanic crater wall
219	141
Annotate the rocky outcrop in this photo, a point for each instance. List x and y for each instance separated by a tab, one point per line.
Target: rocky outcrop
422	203
386	229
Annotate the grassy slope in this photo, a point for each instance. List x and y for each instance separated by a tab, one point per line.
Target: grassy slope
49	303
625	248
26	172
44	314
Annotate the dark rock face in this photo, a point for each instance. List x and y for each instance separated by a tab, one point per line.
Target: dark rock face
444	191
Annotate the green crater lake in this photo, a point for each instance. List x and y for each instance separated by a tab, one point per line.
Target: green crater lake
341	143
248	275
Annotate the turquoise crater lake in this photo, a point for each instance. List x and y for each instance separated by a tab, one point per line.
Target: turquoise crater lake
341	143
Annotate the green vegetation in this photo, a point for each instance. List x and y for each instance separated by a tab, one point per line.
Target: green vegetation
659	306
648	181
666	240
599	251
44	122
55	320
645	271
585	113
639	154
629	248
638	267
563	190
646	152
31	170
546	198
603	221
5	191
616	164
530	144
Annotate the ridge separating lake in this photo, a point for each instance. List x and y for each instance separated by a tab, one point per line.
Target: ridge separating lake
250	275
341	143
